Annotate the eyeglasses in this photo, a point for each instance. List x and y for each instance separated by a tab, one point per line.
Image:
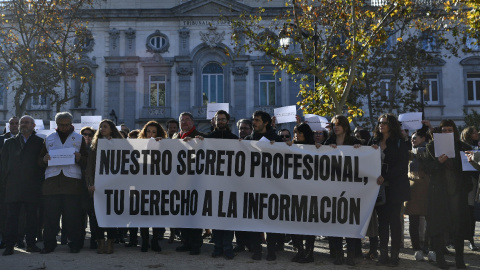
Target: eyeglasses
285	136
88	135
245	128
221	119
382	123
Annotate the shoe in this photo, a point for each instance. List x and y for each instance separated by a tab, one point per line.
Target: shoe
383	258
183	249
432	256
306	259
229	255
74	250
472	247
216	254
257	256
419	256
195	252
271	256
8	251
32	248
46	250
371	255
20	244
394	262
239	249
300	254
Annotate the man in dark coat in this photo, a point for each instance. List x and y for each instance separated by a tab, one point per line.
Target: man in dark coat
262	127
222	238
13	122
193	240
21	182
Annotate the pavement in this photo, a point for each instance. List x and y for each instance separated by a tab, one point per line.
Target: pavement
131	258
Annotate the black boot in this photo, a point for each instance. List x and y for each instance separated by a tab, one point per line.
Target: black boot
309	246
155	246
145	237
300	254
441	263
383	258
459	249
394	261
338	257
350	258
373	252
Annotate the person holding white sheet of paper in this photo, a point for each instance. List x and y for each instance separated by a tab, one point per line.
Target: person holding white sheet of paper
447	211
470	136
106	130
63	187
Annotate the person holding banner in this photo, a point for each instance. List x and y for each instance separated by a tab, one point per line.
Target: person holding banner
303	134
262	127
151	130
222	238
193	240
244	127
388	136
106	130
63	187
447	211
342	135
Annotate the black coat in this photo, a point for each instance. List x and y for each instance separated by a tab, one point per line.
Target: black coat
222	134
270	134
21	177
395	169
439	217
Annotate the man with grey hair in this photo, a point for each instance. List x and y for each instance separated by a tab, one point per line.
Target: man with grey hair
192	237
63	186
20	183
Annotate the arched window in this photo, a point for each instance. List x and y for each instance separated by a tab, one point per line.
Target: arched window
212	83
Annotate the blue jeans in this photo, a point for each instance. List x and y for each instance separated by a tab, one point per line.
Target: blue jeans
223	241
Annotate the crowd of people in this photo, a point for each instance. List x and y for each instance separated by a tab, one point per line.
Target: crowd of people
433	190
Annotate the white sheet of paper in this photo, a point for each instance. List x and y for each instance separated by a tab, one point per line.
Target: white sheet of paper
44	133
444	144
411	121
63	156
212	109
285	114
39	124
316	122
7	127
264	139
53	125
119	128
77	127
466	166
91	121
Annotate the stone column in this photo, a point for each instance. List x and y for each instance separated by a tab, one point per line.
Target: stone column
240	90
184	82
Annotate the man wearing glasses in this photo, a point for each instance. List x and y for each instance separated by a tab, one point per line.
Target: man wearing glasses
285	134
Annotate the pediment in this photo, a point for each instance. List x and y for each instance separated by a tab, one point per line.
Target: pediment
471	61
210	8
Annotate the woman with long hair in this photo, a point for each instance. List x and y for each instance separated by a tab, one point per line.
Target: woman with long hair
106	130
303	134
342	135
394	176
154	130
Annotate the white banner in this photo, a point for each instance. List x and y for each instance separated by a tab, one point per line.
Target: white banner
236	185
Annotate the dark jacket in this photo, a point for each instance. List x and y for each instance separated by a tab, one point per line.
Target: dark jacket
395	169
270	134
222	134
349	140
447	182
22	177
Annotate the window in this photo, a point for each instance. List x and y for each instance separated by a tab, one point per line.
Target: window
212	83
157	42
157	90
471	43
39	101
431	95
473	87
267	89
429	42
385	86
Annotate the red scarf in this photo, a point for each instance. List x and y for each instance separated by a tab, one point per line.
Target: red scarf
183	135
